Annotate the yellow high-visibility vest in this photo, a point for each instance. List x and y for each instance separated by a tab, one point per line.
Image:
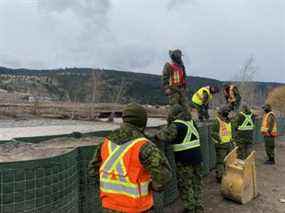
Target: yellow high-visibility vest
225	131
192	138
197	98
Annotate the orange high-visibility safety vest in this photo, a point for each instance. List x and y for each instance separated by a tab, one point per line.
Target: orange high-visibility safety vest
177	77
232	97
265	125
124	183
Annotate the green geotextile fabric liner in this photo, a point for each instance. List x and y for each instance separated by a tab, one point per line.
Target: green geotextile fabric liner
38	139
203	130
89	188
44	185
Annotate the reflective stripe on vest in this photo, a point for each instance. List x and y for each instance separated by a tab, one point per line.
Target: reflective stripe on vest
114	165
188	142
265	125
122	188
177	77
225	131
198	96
247	123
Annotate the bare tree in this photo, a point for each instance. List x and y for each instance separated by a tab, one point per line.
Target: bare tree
245	82
96	86
276	98
117	96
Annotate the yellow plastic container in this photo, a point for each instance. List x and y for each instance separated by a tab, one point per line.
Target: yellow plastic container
239	180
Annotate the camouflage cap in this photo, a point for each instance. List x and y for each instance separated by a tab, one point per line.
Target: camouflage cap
175	53
135	114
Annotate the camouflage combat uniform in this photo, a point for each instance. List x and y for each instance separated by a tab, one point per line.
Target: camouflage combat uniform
233	105
150	157
243	138
188	163
269	138
202	110
270	141
221	149
177	94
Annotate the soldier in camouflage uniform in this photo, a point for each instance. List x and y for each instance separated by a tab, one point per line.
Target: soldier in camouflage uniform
269	132
174	79
221	135
201	99
182	134
150	157
243	125
232	96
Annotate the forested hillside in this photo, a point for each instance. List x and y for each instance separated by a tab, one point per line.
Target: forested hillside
94	85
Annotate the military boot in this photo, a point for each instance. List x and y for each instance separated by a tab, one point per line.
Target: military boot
189	211
270	162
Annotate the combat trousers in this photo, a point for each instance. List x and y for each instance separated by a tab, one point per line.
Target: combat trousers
202	111
221	152
270	147
189	178
234	106
244	149
178	96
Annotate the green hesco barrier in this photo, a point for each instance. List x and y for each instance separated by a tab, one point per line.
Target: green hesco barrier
43	185
89	188
281	127
257	136
204	140
62	184
212	150
39	139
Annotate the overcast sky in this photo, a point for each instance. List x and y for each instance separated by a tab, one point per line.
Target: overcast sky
216	36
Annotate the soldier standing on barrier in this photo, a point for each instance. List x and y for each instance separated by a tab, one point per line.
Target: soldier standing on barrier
244	127
183	135
269	132
129	166
174	79
232	96
221	135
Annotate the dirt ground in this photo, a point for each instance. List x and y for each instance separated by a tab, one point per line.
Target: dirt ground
271	188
